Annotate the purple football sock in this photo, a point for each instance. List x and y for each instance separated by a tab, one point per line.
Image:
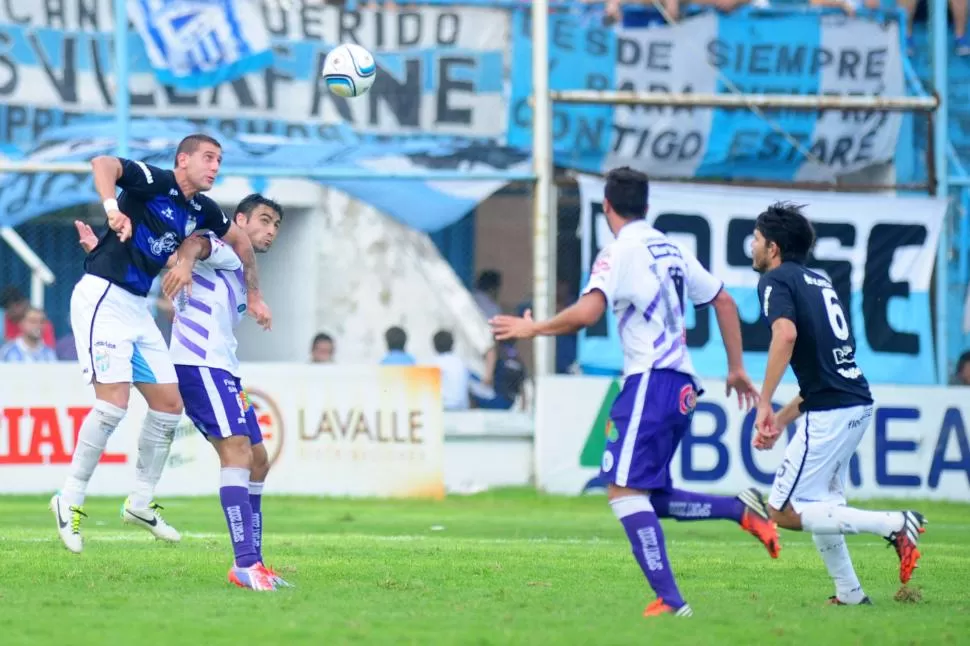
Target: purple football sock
687	505
234	495
647	539
256	503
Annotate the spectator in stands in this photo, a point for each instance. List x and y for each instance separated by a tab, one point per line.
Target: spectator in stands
321	350
962	376
15	305
636	13
958	11
397	339
454	372
507	375
28	346
486	293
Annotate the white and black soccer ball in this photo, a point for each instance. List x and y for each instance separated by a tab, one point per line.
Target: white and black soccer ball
349	70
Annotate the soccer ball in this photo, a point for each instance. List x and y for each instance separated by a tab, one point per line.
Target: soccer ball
349	70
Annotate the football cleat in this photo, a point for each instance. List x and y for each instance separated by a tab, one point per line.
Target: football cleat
68	522
255	577
906	542
149	519
756	521
658	607
277	579
835	601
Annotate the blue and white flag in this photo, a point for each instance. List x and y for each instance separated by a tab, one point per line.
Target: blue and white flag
744	52
195	44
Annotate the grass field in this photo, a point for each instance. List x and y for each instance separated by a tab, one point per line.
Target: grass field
509	567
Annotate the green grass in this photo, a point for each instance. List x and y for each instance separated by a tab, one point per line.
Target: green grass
509	567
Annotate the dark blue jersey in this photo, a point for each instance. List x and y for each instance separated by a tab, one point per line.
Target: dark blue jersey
161	218
823	359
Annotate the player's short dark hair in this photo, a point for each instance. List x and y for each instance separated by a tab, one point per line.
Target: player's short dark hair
190	144
10	295
396	338
627	191
784	224
320	338
249	203
489	280
443	341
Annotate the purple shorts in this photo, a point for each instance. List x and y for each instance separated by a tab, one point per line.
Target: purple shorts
217	404
649	418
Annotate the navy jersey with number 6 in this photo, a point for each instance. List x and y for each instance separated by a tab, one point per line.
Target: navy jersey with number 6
161	218
823	359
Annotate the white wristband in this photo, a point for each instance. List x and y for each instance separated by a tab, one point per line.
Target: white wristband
110	205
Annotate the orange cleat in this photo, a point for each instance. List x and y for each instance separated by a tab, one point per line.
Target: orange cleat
277	579
255	578
906	541
755	521
658	607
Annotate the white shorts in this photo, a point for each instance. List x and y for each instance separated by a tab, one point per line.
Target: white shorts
116	338
817	459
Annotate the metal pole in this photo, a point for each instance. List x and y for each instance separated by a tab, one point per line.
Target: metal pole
701	100
542	260
122	73
938	41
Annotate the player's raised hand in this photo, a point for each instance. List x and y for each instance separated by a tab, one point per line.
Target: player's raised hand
506	327
259	310
178	278
120	224
85	236
738	381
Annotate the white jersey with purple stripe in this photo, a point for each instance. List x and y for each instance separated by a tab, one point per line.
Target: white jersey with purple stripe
646	277
203	332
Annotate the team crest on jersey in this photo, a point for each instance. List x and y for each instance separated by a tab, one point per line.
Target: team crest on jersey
688	399
101	360
164	245
190	224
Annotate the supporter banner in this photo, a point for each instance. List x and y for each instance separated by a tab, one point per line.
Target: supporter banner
193	44
807	54
329	431
877	250
441	71
917	446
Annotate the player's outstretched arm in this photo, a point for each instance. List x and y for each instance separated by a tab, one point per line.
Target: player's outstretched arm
726	312
583	313
107	171
243	247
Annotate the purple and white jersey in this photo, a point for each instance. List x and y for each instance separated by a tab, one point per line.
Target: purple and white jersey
646	277
203	332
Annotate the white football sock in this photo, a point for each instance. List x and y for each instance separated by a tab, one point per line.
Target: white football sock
826	518
835	554
96	428
154	444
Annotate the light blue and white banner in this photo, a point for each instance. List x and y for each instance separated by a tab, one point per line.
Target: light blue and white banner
806	54
877	250
422	204
441	71
194	44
